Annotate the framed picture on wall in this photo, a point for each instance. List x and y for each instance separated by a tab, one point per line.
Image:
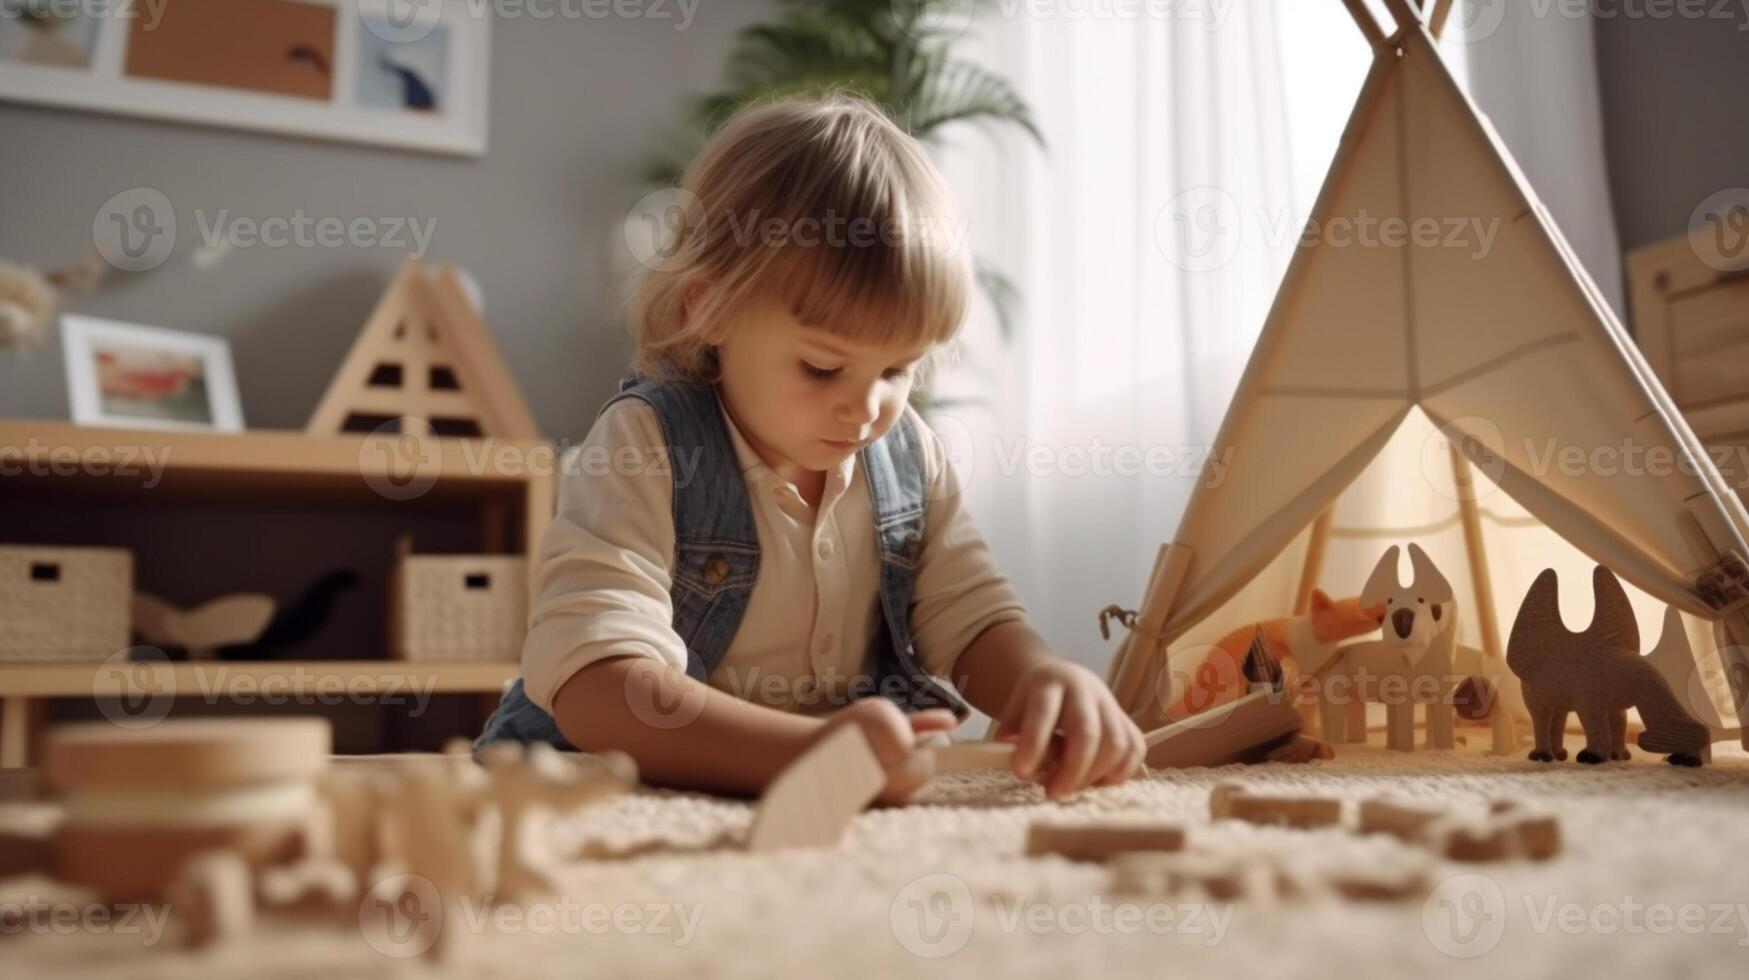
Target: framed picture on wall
130	376
408	73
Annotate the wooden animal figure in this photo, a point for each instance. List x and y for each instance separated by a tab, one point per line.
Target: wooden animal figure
1598	673
1295	640
203	629
1417	661
1674	658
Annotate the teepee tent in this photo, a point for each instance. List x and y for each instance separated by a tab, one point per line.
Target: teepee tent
1453	379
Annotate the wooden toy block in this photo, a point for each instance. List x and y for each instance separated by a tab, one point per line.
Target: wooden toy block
1599	674
138	804
812	801
974	755
1099	841
1400	820
1222	877
316	884
1229	801
1498	837
1474	842
212	898
1387	881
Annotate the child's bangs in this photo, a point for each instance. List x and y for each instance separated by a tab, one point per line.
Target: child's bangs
892	283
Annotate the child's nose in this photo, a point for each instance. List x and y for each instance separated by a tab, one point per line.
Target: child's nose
861	407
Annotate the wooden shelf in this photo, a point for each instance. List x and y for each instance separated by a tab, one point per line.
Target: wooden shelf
222	679
380	482
59	457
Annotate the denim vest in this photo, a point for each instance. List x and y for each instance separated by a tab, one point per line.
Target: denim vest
716	554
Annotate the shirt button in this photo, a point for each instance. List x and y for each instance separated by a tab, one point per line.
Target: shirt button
825	549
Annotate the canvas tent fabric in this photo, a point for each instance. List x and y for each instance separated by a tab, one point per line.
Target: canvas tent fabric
1473	327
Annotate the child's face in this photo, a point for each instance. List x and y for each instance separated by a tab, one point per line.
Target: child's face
805	398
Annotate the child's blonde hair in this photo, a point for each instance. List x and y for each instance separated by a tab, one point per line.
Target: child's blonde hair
821	202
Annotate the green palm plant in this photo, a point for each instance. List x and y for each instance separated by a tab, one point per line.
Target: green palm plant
896	53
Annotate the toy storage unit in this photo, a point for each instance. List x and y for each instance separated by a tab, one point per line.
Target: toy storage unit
458	607
484	496
64	605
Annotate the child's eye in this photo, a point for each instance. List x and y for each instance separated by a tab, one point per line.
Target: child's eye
815	371
897	374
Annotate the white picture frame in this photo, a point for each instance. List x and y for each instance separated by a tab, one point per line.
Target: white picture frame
463	30
215	408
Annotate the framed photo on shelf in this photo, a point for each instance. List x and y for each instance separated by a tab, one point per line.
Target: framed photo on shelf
406	73
130	376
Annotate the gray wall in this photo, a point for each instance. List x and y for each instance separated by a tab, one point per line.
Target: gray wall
575	105
1673	116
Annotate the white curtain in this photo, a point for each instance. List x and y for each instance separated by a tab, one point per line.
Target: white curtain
1148	239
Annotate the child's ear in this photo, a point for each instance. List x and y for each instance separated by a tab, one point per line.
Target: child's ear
691	293
1320	600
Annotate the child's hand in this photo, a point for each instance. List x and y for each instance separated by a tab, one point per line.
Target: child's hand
1099	745
893	735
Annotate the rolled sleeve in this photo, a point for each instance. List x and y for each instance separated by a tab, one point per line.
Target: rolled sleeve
959	592
602	577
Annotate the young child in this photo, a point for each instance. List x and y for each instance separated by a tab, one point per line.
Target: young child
759	542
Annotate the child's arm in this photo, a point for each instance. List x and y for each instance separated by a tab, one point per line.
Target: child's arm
970	627
685	733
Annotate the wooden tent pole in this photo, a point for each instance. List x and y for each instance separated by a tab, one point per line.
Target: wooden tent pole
1408	18
1733	657
1363	18
1314	563
1144	648
1480	580
1437	19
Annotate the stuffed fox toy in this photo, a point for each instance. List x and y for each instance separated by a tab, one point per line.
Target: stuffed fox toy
1293	641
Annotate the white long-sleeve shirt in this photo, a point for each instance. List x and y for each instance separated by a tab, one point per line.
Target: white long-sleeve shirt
602	579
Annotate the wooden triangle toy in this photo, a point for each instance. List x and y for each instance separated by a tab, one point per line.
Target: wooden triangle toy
424	364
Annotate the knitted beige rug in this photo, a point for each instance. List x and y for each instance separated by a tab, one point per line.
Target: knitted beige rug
1653	881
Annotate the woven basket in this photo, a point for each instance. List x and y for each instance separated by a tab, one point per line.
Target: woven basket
64	605
459	607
